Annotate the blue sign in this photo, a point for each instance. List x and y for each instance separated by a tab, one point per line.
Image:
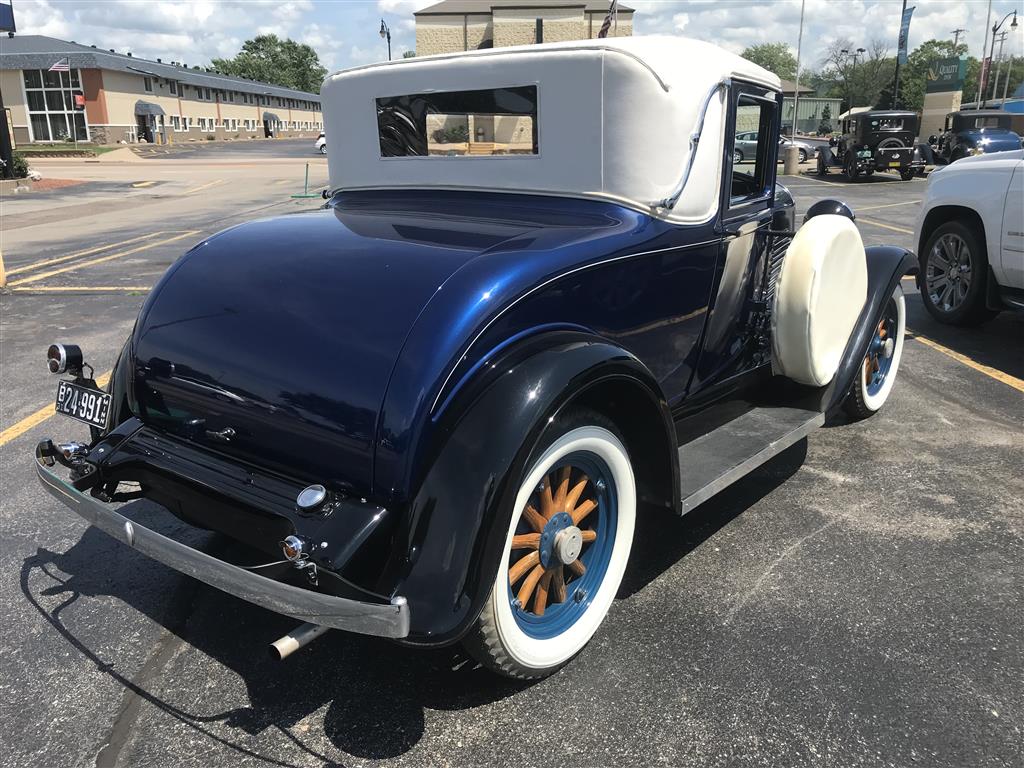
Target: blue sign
7	16
904	34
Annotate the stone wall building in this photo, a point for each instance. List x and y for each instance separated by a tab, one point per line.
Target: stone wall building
107	97
466	25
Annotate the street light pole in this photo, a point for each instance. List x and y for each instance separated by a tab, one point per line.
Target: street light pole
385	33
849	94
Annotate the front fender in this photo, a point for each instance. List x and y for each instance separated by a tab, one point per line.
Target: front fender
457	518
887	265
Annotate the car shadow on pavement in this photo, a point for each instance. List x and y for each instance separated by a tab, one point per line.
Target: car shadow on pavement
376	693
662	538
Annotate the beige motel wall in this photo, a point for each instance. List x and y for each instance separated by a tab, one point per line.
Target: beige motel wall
111	96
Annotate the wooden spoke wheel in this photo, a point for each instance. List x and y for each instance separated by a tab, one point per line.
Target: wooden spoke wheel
878	371
559	524
568	542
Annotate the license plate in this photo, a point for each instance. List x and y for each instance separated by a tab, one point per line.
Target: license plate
83	404
894	165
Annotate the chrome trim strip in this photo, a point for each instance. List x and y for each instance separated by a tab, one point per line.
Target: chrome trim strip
379	619
669	202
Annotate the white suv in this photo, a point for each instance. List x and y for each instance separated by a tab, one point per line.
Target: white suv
321	144
970	238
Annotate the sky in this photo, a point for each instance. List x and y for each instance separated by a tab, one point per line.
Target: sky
345	32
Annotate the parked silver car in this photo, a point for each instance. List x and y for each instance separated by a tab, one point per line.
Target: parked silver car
746	147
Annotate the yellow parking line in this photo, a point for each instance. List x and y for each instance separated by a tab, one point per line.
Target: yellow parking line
86	252
874	223
79	288
100	260
203	186
23	426
139	184
890	205
989	371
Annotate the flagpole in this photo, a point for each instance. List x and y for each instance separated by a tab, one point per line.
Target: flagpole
896	84
796	93
983	72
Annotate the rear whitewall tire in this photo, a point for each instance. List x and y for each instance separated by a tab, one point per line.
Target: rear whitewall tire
865	400
498	641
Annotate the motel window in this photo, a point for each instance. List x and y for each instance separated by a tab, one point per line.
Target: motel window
147	84
51	105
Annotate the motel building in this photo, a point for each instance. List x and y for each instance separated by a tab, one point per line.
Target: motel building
58	91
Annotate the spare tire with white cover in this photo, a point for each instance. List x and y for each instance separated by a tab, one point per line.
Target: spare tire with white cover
820	294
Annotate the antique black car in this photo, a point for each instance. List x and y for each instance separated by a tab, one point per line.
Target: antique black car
529	312
874	141
975	132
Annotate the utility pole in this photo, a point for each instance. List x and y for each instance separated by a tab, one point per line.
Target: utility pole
956	37
999	68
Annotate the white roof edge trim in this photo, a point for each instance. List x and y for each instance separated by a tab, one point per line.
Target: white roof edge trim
516	49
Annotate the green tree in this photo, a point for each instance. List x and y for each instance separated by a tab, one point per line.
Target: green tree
914	74
409	55
270	59
775	57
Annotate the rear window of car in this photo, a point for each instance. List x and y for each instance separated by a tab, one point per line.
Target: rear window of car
888	124
484	123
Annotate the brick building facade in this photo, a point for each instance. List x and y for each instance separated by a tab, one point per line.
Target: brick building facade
466	25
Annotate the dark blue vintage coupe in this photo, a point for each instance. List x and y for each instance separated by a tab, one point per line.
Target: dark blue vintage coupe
539	302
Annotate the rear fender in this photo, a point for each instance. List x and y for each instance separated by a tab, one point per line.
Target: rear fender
887	265
448	547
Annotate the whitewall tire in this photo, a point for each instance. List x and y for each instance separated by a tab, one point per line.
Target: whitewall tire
565	552
877	373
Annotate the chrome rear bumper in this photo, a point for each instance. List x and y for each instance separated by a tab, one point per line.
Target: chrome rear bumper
379	619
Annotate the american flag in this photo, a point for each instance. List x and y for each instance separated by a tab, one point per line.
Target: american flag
612	13
63	65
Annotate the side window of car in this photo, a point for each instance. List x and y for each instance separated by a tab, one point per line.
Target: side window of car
753	165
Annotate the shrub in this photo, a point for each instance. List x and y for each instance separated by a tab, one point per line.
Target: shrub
210	137
20	166
454	135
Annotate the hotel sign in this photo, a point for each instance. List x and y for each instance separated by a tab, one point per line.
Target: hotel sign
945	75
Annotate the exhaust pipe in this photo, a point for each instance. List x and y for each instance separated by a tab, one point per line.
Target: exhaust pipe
298	637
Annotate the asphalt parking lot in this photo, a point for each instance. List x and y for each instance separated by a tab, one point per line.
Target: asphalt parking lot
858	601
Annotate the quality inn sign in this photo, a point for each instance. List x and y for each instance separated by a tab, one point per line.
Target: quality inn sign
946	75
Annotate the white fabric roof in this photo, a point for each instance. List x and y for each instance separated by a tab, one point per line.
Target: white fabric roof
614	120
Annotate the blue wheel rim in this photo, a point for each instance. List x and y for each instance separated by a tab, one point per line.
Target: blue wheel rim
602	520
876	364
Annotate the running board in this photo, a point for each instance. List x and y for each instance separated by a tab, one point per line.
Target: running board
715	461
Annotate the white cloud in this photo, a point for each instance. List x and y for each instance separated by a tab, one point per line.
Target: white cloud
344	32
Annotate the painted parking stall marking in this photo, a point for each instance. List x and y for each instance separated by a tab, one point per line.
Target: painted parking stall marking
91	262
